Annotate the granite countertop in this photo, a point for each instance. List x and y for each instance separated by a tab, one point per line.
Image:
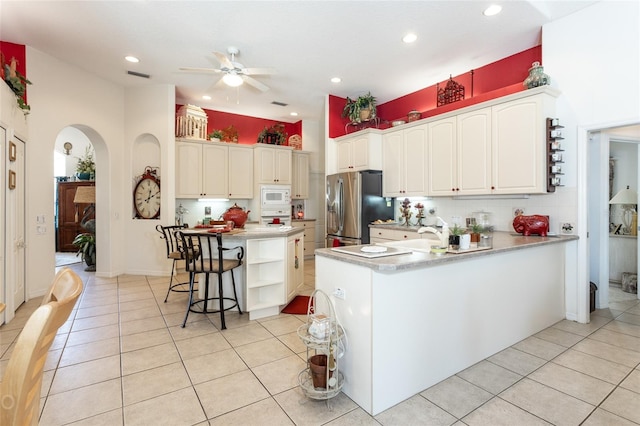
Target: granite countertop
502	242
255	231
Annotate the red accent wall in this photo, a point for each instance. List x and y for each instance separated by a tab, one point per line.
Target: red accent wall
18	51
248	127
491	81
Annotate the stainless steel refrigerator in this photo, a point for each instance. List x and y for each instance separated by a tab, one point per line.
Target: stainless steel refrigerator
354	200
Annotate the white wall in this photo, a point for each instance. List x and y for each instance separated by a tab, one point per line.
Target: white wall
149	141
62	96
593	57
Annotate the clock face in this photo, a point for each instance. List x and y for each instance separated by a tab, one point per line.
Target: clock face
146	198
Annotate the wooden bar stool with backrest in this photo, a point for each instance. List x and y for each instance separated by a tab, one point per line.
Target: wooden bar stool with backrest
174	253
204	254
22	380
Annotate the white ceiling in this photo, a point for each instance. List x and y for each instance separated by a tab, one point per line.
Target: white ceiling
307	42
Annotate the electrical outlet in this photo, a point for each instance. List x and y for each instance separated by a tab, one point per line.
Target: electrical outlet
433	210
339	293
207	210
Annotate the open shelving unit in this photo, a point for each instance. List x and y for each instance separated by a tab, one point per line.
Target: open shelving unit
266	273
555	154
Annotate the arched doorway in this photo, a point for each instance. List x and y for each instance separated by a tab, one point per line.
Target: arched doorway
75	144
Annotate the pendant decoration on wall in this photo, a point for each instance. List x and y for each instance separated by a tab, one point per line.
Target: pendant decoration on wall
146	194
452	92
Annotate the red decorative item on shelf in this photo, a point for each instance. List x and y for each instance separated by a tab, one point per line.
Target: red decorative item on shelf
452	92
237	215
534	224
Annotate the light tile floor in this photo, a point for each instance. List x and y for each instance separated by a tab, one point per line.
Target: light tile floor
123	359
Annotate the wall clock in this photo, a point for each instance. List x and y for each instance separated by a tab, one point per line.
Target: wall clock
146	195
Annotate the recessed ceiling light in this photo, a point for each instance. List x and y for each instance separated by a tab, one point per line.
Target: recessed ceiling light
494	9
410	38
132	59
336	80
293	114
206	97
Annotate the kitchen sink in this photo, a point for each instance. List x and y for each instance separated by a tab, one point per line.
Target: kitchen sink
421	245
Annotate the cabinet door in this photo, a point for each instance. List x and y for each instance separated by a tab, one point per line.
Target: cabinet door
393	163
344	156
442	157
282	166
360	153
518	150
300	184
264	161
415	162
474	152
188	170
240	172
215	172
295	265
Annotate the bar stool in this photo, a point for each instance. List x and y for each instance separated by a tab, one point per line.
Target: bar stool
174	253
200	249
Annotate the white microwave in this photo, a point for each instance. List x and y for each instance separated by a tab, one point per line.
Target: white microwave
275	195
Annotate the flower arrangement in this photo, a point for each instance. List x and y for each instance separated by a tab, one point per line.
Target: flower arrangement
419	213
274	135
86	163
16	81
405	211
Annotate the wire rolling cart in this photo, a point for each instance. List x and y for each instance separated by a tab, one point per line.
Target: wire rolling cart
325	340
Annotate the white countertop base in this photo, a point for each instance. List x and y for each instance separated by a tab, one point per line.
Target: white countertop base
409	329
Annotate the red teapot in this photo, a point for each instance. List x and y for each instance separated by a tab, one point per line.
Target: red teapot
237	215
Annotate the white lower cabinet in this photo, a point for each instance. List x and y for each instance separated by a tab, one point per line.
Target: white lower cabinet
266	276
309	227
379	235
295	265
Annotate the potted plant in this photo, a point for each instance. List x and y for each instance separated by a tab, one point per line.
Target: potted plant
216	135
86	167
475	231
360	109
274	135
16	81
86	244
454	236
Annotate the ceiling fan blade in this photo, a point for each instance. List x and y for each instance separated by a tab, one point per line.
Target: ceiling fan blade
258	71
201	70
224	61
255	83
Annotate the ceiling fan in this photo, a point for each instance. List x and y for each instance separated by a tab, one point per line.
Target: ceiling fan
234	73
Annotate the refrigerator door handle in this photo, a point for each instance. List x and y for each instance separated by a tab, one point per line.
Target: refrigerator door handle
340	204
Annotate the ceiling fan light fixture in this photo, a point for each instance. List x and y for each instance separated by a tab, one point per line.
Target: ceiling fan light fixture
410	38
494	9
233	80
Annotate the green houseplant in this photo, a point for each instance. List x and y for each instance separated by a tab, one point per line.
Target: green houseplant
86	167
86	244
363	108
274	135
475	231
454	236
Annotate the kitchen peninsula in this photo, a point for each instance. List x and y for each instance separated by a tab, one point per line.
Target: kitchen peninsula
269	275
415	319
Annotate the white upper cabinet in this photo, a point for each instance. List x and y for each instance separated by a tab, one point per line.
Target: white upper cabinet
518	145
300	185
213	170
474	152
442	157
404	162
240	172
272	165
360	152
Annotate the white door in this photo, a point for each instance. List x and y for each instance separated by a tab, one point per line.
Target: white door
3	185
15	230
